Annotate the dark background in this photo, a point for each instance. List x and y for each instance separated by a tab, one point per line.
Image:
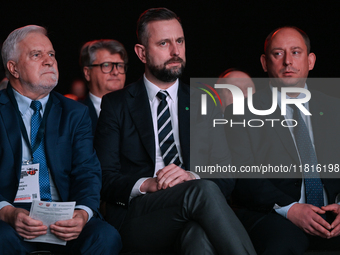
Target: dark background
219	34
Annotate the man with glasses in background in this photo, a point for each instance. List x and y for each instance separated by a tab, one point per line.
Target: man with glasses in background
104	65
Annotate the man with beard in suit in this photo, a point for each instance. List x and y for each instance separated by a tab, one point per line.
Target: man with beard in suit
142	140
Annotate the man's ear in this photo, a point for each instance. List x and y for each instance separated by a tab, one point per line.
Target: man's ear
141	53
12	68
311	61
263	62
86	71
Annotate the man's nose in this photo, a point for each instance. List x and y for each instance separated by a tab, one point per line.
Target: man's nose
114	70
48	60
288	59
174	50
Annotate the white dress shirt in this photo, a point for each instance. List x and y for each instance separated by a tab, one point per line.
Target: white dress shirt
154	101
96	102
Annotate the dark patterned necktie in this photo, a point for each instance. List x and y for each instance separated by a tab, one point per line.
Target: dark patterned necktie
313	184
39	153
165	133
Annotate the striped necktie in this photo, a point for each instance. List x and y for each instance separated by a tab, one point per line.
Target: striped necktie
165	132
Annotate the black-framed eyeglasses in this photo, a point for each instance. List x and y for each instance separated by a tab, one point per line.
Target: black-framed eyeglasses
107	67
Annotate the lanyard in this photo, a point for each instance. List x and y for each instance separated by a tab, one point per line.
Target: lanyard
41	130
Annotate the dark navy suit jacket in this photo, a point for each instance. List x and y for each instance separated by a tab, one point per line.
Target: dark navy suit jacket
71	159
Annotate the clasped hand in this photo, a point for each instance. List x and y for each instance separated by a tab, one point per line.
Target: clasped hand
166	177
307	217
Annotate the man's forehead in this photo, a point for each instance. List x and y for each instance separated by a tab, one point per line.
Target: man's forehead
165	28
287	37
36	40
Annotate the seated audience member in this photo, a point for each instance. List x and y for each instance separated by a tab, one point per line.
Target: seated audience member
235	77
289	215
142	141
104	63
39	126
78	88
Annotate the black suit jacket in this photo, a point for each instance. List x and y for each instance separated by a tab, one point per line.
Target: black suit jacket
125	142
125	145
275	146
71	158
92	111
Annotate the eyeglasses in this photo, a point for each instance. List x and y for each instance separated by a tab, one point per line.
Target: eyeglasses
107	67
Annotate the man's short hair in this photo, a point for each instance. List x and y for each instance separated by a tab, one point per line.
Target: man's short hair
89	49
9	47
153	14
302	33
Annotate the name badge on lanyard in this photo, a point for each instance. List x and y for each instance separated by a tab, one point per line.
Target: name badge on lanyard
29	188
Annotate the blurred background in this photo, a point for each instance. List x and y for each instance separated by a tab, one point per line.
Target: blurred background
219	34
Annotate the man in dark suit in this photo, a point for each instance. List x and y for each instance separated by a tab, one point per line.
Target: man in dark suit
104	64
288	215
155	202
67	164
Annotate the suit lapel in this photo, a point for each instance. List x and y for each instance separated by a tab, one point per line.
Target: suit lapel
320	123
283	132
52	131
184	122
139	108
92	110
10	119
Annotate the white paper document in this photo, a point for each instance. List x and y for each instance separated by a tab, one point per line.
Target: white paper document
49	213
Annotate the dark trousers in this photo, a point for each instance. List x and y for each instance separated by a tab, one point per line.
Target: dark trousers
97	237
274	234
193	216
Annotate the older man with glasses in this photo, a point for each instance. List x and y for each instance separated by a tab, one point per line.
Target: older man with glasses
104	64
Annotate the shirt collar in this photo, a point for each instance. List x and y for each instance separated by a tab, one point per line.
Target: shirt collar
152	89
95	99
96	102
25	102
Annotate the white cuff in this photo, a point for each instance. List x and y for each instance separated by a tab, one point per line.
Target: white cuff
197	177
135	192
283	211
3	204
87	209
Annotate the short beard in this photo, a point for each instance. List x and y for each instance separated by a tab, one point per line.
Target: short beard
166	74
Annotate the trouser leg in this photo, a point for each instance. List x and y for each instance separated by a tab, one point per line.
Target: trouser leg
97	237
193	240
275	234
11	242
155	220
